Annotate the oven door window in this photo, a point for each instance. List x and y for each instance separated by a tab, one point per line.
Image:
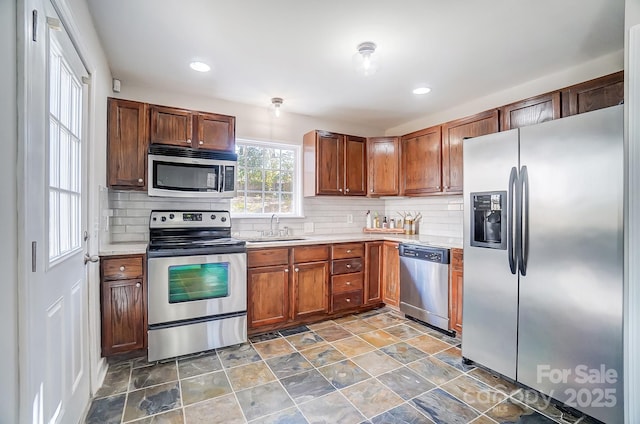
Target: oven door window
188	283
186	176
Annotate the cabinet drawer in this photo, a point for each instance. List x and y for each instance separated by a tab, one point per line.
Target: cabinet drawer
267	257
347	300
344	266
122	268
347	282
347	250
310	254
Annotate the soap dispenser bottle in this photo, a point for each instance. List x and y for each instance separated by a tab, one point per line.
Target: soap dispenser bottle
369	222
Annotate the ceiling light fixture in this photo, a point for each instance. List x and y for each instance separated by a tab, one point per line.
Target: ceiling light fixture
200	66
276	102
365	60
421	90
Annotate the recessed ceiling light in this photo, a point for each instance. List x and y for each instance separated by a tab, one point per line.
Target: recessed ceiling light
200	67
421	90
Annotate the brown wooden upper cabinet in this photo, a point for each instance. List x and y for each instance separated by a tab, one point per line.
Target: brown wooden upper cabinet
594	94
334	164
187	128
453	133
534	110
126	144
383	159
421	162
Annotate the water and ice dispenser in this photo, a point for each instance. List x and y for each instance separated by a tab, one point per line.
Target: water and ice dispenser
489	219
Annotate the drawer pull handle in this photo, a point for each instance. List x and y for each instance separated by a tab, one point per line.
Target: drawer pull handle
121	268
349	266
348	250
138	285
348	300
348	283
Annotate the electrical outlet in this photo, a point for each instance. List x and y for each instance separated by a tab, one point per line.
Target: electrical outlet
308	227
349	219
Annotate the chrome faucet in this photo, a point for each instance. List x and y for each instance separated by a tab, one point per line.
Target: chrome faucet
271	231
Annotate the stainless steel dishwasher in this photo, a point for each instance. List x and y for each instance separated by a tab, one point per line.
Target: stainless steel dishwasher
424	284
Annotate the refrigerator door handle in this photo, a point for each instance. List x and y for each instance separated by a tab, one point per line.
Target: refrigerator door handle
511	224
523	216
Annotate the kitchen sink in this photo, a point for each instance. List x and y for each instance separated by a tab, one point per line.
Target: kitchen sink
272	239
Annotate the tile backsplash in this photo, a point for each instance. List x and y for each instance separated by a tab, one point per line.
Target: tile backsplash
128	215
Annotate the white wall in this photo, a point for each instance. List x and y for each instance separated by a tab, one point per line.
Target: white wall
441	215
604	65
8	216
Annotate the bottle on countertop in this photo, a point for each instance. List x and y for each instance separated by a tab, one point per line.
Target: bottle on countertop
369	222
376	220
385	224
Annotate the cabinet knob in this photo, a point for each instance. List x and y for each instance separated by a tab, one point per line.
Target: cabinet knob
446	187
140	180
138	285
286	270
296	269
371	190
121	268
346	190
348	300
348	283
201	142
348	250
340	190
188	141
348	265
396	247
438	187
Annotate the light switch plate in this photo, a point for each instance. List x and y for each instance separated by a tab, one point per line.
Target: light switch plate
308	227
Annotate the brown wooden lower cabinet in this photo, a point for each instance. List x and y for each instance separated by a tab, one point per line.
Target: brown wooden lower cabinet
310	289
123	304
391	274
455	291
268	295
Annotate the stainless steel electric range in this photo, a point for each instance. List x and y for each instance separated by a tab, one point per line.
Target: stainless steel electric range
197	283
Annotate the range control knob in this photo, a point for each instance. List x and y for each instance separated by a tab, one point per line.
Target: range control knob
163	219
171	216
155	219
223	219
213	217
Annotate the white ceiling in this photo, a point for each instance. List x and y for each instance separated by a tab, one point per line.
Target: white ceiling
301	50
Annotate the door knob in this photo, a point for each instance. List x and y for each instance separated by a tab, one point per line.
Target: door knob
94	258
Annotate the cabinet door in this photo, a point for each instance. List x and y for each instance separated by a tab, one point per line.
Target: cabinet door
530	111
391	274
123	312
453	133
455	291
355	166
329	163
383	161
421	157
268	295
310	289
216	132
171	126
373	272
126	144
594	94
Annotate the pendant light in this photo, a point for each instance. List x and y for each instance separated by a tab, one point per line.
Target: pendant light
365	59
276	102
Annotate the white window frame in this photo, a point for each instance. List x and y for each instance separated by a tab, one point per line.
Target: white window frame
297	179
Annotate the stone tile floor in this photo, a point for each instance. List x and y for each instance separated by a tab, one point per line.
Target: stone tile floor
376	367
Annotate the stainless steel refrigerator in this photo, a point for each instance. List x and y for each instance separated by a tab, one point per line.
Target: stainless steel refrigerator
543	258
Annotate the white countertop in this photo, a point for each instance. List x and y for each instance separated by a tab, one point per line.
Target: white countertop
123	249
448	242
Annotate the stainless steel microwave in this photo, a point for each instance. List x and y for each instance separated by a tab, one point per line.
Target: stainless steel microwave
186	172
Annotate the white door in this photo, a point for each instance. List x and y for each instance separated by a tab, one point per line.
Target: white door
54	359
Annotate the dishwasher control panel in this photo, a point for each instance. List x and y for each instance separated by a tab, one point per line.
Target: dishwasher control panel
425	253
